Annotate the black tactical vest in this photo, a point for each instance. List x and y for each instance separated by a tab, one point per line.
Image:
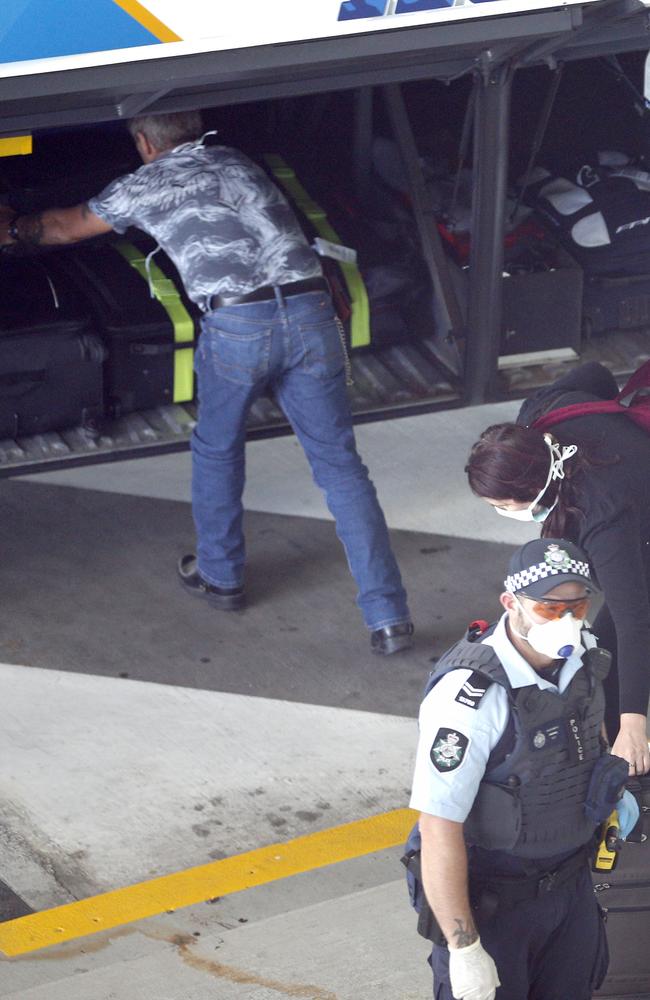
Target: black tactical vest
531	799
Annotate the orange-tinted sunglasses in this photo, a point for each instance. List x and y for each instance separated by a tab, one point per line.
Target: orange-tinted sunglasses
550	609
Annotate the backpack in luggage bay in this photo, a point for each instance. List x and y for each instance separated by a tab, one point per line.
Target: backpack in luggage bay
602	216
50	361
390	261
624	895
383	297
149	340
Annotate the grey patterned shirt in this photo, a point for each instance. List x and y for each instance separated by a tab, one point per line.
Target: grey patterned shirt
216	214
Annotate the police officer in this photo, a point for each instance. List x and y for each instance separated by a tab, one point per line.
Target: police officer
510	752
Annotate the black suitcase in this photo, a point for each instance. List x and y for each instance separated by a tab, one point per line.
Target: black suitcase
624	894
149	341
50	362
615	303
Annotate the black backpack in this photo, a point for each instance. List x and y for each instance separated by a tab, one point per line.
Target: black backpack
601	214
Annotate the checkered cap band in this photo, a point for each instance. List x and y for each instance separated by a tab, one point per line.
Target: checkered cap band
519	581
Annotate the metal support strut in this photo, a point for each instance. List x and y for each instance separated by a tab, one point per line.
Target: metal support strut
425	220
490	170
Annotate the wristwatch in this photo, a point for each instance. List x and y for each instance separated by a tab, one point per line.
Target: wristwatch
12	231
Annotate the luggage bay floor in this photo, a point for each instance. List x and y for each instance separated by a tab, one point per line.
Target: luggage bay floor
397	379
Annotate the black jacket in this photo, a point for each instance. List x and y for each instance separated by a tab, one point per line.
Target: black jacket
614	527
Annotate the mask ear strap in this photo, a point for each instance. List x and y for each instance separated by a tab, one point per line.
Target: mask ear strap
558	457
201	141
524	613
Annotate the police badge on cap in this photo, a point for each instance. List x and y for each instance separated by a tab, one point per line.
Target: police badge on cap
544	563
448	750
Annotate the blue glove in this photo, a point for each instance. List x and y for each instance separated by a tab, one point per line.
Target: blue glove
628	813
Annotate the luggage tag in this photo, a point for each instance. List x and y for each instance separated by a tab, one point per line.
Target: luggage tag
325	248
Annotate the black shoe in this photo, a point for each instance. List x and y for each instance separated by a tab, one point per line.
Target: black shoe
224	598
392	638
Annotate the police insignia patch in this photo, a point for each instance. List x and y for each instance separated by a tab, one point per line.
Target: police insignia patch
549	735
448	750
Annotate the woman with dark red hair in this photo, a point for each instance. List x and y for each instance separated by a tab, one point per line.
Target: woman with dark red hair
587	480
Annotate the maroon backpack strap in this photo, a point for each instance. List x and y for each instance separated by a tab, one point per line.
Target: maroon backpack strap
633	400
577	410
638	381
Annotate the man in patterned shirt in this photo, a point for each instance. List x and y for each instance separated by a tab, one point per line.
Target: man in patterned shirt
268	323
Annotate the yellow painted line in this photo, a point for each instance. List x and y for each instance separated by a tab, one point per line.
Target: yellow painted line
144	17
16	145
196	885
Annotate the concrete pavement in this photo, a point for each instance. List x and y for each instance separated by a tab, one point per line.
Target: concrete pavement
143	734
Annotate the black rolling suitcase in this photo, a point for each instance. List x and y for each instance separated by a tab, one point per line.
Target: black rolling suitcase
149	340
617	302
624	894
50	361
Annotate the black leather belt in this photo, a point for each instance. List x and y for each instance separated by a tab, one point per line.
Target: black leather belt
266	292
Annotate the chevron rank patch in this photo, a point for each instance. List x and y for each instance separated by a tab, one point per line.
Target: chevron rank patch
473	689
448	750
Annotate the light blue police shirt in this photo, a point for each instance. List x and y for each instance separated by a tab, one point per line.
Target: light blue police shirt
448	724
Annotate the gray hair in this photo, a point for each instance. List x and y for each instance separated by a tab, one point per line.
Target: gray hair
166	131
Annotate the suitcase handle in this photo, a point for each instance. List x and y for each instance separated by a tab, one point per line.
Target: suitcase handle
154	350
157	350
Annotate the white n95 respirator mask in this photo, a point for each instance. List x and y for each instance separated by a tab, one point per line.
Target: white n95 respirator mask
557	638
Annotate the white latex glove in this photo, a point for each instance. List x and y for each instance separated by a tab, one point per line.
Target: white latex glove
472	973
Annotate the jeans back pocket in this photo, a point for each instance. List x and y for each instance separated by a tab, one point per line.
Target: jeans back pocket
321	345
243	358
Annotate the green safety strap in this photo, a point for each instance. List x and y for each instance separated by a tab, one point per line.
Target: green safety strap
167	294
360	318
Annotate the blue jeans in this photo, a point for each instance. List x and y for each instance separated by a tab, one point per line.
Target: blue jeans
291	346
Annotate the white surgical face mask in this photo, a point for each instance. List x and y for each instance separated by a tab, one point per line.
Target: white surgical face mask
557	638
533	512
527	514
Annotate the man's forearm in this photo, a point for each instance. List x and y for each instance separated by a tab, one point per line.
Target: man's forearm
444	874
55	226
47	228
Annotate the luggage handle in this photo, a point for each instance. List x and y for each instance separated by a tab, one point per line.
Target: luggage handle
15	384
612	281
157	350
154	350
